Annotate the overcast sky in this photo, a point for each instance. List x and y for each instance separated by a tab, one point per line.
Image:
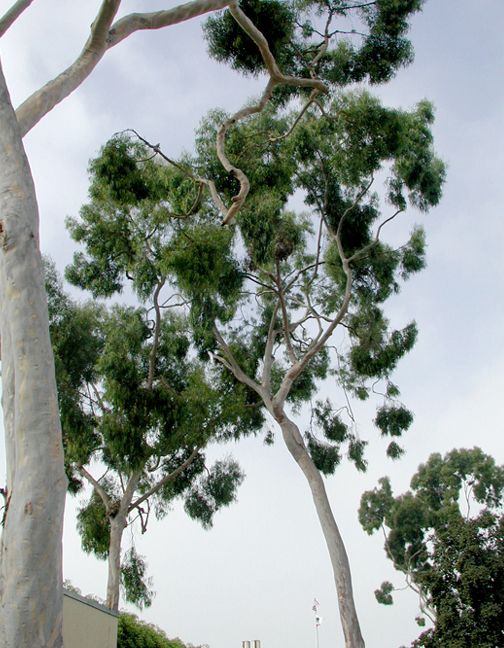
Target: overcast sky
254	576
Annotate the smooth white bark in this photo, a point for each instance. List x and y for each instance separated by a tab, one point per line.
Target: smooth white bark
103	36
118	522
337	552
31	594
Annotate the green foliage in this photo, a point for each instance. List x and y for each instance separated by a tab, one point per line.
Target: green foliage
393	421
93	525
227	42
77	343
150	397
466	584
447	536
327	455
366	41
145	401
134	633
384	594
134	580
216	489
331	158
135	205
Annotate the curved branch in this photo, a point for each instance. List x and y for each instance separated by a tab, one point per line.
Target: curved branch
269	358
12	14
230	362
132	23
269	60
239	199
103	36
363	250
157	331
31	111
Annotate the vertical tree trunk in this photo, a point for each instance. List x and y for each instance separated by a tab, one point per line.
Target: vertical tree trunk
339	559
117	526
31	591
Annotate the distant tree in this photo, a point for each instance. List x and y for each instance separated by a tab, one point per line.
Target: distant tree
135	403
446	535
326	45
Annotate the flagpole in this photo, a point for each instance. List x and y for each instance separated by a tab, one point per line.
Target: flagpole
317	622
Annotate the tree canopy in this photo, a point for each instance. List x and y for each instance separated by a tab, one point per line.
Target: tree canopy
135	405
446	535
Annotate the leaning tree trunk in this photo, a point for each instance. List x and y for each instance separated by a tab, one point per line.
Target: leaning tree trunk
31	591
339	559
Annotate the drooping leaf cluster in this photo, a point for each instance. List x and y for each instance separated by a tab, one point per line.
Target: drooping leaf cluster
327	454
447	535
135	583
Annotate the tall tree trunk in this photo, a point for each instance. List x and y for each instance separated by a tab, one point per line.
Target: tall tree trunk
31	591
117	525
339	559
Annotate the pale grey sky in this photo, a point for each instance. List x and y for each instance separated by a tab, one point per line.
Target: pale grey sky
254	576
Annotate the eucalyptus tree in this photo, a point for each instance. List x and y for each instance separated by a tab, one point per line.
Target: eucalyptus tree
446	536
135	403
317	282
367	43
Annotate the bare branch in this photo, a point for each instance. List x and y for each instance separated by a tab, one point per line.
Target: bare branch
311	100
103	36
285	317
12	14
164	480
269	60
234	367
325	44
269	358
157	331
363	250
41	102
132	23
97	486
350	209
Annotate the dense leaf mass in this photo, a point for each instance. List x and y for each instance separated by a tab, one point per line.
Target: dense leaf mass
365	41
134	633
227	42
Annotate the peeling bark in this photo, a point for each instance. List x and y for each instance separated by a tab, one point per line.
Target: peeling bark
31	591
